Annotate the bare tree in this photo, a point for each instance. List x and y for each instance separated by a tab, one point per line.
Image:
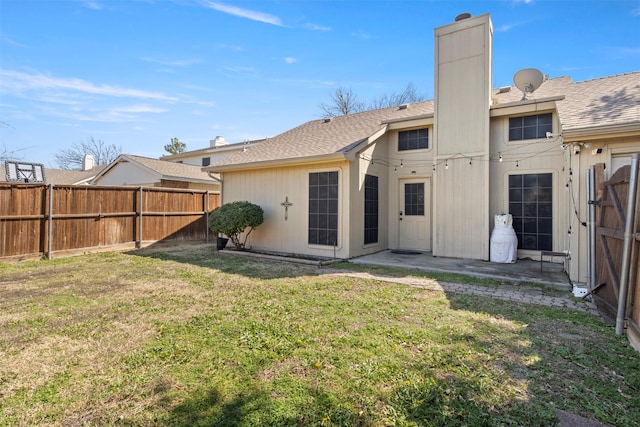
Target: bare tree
407	96
6	153
72	158
343	101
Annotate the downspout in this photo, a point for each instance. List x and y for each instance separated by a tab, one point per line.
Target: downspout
591	227
626	248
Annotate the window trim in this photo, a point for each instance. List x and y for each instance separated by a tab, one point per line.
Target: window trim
377	212
429	131
554	209
339	208
527	140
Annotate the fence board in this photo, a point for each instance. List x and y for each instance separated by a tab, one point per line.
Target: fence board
613	195
89	216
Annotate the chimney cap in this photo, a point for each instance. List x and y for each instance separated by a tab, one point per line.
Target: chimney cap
463	15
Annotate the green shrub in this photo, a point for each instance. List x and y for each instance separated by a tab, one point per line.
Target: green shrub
232	219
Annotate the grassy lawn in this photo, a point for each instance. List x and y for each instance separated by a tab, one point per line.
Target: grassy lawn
189	337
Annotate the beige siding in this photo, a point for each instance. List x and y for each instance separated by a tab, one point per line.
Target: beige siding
416	164
463	87
269	188
124	173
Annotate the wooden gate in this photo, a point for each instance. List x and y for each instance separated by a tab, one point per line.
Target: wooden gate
611	197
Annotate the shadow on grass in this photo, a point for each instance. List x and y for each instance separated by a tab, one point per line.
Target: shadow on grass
206	255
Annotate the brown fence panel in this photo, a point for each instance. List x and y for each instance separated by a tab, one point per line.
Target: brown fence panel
22	209
91	217
610	241
609	236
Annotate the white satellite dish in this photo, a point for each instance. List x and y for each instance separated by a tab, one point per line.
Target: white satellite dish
528	80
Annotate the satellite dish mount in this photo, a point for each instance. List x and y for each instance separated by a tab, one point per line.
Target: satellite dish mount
528	80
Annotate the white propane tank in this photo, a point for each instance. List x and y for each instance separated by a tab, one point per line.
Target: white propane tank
504	242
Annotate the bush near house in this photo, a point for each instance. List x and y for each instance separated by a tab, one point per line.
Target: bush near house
232	219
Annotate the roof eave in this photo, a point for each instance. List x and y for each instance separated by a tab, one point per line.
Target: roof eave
323	158
527	102
607	131
187	179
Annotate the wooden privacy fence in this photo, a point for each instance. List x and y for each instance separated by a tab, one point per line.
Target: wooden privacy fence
37	219
611	217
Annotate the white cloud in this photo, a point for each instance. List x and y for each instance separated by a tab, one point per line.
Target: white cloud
173	63
93	5
361	35
290	60
139	109
243	13
15	81
318	27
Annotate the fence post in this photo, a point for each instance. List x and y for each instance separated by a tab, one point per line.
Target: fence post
629	224
206	210
50	228
140	220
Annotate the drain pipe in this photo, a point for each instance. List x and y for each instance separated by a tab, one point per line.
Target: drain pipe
626	248
591	218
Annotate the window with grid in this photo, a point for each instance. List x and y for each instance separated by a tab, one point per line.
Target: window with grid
323	208
529	127
413	139
370	209
414	199
530	204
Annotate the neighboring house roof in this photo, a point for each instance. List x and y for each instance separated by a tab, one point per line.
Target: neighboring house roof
606	101
65	177
209	150
163	169
75	177
325	137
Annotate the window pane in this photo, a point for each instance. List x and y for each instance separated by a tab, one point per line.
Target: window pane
323	208
530	204
530	127
413	139
370	209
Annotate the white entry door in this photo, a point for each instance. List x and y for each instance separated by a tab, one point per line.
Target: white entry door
414	214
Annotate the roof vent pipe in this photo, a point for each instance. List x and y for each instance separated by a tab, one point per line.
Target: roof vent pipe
464	15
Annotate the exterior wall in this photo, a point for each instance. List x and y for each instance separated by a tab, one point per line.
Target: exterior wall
530	156
124	173
268	188
462	100
372	161
615	152
416	164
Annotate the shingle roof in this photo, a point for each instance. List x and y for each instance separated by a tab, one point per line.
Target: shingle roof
605	101
323	138
169	170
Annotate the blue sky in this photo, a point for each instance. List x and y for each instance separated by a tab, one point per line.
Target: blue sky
136	73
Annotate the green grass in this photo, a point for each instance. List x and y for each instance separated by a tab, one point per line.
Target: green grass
190	337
